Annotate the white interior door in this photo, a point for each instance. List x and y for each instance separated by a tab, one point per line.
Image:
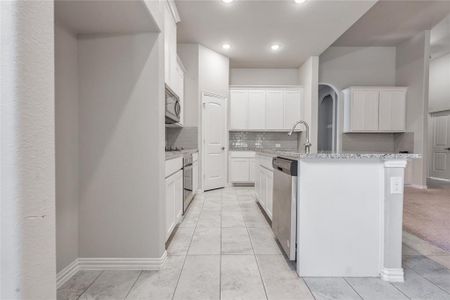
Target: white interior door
440	164
214	142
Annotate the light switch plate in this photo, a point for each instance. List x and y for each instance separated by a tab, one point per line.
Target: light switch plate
396	185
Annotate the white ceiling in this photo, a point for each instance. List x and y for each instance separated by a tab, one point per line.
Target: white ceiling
251	26
388	23
105	17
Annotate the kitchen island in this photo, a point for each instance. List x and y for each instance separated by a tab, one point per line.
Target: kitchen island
349	213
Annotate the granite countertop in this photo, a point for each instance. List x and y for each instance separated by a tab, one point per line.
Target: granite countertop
342	155
181	153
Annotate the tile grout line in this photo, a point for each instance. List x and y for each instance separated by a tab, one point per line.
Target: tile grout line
93	281
256	260
132	286
420	275
401	292
309	289
187	251
352	287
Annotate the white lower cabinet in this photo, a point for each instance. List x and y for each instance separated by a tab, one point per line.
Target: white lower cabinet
195	177
174	201
264	183
242	166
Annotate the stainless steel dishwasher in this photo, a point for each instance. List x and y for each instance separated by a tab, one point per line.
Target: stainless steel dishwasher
284	215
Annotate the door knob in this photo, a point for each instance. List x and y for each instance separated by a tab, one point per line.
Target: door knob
223	148
447	148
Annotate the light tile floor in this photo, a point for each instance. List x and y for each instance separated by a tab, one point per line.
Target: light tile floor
225	249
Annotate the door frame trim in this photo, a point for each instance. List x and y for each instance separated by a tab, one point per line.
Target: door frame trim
202	143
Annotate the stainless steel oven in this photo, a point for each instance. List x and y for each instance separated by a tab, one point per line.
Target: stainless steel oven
188	193
173	107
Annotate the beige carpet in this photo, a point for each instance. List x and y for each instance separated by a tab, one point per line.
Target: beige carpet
427	215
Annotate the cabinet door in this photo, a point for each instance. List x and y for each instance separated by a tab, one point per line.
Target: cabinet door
263	190
180	89
178	196
195	177
292	107
392	110
257	182
364	110
170	47
269	192
239	169
239	109
256	109
170	209
274	109
251	171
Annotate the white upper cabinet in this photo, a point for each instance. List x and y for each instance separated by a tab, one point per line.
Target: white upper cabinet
293	100
238	109
170	45
179	87
374	109
262	109
392	109
256	109
274	109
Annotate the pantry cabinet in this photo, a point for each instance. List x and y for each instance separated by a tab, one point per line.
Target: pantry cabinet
374	109
265	109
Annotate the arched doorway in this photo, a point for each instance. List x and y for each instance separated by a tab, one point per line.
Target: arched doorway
327	127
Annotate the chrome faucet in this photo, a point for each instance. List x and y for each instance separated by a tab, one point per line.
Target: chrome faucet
307	142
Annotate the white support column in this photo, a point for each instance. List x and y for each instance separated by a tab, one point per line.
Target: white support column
393	220
27	153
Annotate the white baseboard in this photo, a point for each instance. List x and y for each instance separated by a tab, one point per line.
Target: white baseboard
67	273
122	263
82	264
416	186
392	275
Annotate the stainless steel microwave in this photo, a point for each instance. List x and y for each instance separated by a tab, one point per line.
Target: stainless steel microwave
173	107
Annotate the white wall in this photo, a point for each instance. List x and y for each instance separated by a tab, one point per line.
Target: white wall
412	71
347	66
213	72
122	208
439	84
27	152
67	145
242	76
308	76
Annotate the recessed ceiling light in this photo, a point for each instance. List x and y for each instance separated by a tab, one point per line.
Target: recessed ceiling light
299	1
226	46
275	47
227	1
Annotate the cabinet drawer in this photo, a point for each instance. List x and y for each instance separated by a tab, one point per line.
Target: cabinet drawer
264	161
173	165
242	154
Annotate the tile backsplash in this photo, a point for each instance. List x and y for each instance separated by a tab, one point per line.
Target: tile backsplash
250	140
185	137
